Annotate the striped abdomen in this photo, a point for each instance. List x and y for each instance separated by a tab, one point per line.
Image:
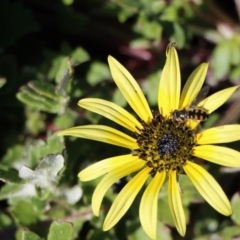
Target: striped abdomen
197	114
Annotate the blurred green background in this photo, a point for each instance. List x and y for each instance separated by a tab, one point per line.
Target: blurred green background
54	53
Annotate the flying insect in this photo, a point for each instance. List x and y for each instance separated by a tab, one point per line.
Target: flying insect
193	112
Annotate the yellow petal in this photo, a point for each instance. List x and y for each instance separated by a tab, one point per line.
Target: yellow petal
217	99
175	203
109	179
102	134
125	198
208	188
221	134
220	155
104	166
130	89
170	83
111	111
193	85
148	206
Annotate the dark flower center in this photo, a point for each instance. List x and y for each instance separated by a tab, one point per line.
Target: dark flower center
165	144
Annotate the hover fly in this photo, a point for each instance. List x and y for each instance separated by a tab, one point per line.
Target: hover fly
193	112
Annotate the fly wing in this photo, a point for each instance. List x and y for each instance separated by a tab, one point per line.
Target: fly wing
200	96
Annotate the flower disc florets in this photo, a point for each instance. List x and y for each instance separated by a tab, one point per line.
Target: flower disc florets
165	144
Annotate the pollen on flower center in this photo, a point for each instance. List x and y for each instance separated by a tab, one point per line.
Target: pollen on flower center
165	144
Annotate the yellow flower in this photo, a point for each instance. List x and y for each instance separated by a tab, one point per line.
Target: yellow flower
161	147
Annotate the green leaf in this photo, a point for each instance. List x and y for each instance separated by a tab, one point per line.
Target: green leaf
221	59
45	89
148	28
5	220
13	154
60	231
151	88
54	144
235	73
213	35
164	214
235	202
2	81
98	72
26	212
68	2
65	61
128	8
43	96
229	232
179	35
129	5
66	120
65	70
78	56
170	13
9	175
8	190
33	101
163	232
77	226
189	194
35	121
27	235
64	82
125	14
118	98
24	234
213	118
235	52
56	212
56	63
97	233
